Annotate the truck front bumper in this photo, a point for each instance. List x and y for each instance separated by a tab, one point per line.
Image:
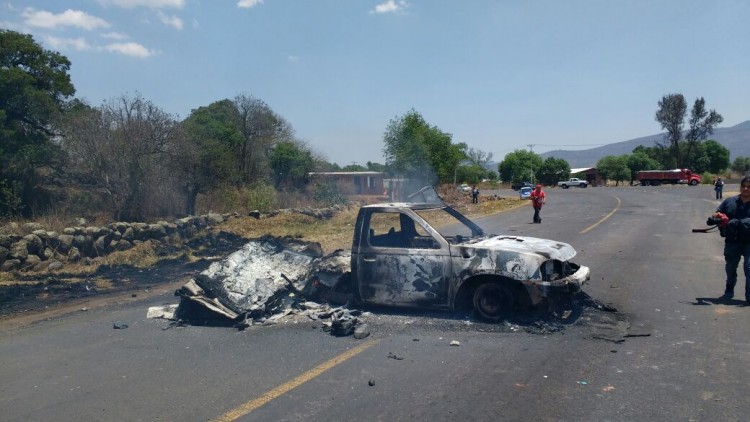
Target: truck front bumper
560	288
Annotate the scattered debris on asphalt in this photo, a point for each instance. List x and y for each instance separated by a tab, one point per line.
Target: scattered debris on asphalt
165	311
271	280
394	356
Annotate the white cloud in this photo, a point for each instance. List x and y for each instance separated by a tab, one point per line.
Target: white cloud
390	6
130	49
247	4
44	19
63	43
153	4
292	58
115	36
172	21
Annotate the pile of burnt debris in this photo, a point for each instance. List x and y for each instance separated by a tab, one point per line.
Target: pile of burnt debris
269	280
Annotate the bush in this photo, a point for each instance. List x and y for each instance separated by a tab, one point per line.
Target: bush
328	194
708	178
261	197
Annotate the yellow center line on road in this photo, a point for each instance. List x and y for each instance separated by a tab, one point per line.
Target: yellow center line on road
605	217
251	405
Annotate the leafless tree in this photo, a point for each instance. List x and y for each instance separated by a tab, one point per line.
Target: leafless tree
478	157
122	147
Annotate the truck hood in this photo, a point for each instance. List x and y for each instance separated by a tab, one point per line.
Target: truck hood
550	249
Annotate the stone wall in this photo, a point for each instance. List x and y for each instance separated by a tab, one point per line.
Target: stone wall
49	250
43	249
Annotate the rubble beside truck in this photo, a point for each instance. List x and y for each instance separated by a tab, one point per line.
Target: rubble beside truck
425	255
659	177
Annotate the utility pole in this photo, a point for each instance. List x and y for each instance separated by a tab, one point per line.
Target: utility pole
531	163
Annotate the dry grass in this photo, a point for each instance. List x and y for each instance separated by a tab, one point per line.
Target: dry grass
335	233
141	255
332	234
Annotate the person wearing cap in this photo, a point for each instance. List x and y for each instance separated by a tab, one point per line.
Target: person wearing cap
537	200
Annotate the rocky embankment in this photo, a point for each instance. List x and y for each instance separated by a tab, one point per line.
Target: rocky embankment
37	249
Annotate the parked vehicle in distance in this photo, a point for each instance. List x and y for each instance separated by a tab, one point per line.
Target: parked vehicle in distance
519	185
573	182
465	188
674	176
405	254
525	192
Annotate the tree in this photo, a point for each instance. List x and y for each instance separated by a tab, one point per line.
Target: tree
419	151
657	153
261	129
553	170
204	158
34	88
671	116
354	167
122	147
614	168
519	166
322	165
741	165
639	161
377	167
718	156
471	174
291	162
478	157
701	123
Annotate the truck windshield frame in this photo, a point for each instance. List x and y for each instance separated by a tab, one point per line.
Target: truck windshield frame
450	223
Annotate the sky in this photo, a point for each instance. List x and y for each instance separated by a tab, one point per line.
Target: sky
498	75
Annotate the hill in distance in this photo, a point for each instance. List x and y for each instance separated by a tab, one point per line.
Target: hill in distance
735	138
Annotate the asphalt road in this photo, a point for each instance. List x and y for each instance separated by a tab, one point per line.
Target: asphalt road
670	352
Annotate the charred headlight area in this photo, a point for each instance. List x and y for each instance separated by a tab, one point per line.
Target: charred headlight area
554	269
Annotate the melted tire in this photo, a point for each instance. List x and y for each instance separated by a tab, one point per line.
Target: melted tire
492	301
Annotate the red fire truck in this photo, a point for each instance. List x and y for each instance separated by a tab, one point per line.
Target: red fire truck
657	177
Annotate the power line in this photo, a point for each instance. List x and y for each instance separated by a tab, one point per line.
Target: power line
569	145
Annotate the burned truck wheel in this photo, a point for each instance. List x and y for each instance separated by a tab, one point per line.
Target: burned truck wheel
492	300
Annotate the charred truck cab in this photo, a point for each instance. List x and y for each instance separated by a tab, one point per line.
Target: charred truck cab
430	255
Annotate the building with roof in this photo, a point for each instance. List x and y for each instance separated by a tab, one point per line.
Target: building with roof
591	174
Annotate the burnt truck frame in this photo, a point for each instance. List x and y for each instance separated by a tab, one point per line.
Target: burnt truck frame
414	263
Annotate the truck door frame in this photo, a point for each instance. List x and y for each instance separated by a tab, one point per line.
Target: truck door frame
400	272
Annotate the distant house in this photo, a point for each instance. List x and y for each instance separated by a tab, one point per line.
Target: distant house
591	174
354	182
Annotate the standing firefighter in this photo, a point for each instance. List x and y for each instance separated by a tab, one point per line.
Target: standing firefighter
733	217
537	200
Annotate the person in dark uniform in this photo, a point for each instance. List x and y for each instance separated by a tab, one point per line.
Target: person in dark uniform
734	214
719	187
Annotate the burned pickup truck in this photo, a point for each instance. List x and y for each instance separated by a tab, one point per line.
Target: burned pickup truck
430	255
